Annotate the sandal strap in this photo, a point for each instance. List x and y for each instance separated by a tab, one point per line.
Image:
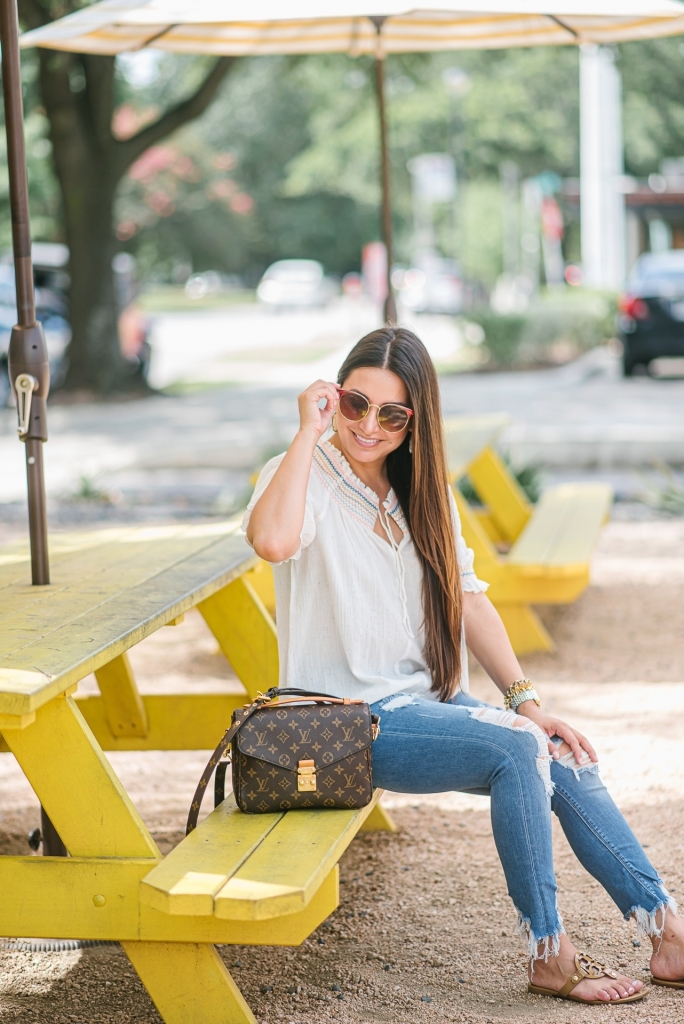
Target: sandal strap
586	967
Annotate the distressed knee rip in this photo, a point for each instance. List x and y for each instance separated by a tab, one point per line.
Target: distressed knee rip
400	701
510	720
569	761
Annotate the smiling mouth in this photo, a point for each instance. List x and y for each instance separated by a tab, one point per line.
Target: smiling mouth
366	442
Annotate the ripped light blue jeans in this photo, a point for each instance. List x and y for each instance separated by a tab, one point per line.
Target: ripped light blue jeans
428	747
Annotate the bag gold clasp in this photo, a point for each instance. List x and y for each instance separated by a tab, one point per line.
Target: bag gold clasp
306	776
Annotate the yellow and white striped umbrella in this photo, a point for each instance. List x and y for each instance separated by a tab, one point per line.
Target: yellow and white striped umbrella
346	26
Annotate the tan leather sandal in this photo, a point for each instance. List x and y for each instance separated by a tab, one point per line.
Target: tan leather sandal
667	984
586	967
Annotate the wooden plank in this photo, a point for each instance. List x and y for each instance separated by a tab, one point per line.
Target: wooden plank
188	879
176	721
498	489
126	715
86	574
246	634
53	897
76	785
76	589
73	650
188	983
287	868
467	436
565	527
538	584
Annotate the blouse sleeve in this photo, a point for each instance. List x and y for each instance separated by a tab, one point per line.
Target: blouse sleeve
308	526
466	556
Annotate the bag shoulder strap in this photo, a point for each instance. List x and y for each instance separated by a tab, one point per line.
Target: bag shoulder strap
222	750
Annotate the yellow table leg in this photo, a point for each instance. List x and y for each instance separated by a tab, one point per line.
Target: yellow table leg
94	816
525	629
379	820
125	709
188	983
246	634
261	579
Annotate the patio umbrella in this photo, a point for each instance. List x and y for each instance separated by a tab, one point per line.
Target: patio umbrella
260	27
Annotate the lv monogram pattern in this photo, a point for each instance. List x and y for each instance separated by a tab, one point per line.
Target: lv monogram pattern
267	750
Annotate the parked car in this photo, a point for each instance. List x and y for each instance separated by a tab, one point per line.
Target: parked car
435	285
651	317
295	284
52	283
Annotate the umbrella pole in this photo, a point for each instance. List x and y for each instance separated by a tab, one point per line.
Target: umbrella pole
390	304
29	368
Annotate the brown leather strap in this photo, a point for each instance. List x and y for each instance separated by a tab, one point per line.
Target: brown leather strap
271	697
222	750
585	967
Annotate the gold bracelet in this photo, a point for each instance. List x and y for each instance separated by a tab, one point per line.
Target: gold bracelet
520	691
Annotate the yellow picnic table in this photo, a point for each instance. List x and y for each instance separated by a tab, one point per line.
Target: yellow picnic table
529	554
248	879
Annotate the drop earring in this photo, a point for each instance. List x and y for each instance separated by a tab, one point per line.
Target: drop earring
333	422
411	443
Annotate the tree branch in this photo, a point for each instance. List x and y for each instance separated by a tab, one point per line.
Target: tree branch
128	151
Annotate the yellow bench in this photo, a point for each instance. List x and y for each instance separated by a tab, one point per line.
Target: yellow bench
529	554
238	878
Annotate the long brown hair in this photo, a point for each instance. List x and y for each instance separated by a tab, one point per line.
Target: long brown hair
420	481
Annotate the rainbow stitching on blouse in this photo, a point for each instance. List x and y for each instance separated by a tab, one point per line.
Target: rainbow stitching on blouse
357	503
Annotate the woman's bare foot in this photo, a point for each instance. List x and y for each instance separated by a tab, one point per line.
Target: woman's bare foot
555	972
667	961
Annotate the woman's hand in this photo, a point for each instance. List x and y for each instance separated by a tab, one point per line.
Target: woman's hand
553	726
311	416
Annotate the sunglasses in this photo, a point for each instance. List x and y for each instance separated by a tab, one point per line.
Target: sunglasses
391	417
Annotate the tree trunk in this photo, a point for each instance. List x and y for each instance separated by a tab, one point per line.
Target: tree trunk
88	172
78	93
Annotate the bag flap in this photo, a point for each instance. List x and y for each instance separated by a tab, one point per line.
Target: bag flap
322	733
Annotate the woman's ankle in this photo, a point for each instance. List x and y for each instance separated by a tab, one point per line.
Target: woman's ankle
671	933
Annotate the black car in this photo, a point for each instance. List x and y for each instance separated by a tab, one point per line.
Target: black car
651	320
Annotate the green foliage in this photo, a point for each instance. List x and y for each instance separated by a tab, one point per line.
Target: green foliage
502	333
663	491
530	478
302	135
653	84
557	327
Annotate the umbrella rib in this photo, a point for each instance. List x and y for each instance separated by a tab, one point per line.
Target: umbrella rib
562	24
156	36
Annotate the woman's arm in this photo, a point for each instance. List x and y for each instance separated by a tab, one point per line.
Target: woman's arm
487	638
275	524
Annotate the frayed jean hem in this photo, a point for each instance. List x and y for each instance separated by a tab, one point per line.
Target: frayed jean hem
539	947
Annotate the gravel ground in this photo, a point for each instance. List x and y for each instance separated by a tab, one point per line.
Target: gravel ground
424	931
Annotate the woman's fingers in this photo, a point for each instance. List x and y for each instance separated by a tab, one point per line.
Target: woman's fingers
310	412
570	738
587	746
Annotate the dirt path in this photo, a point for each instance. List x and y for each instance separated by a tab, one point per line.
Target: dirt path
424	931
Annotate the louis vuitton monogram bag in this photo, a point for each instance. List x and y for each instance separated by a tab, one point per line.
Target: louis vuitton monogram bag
294	749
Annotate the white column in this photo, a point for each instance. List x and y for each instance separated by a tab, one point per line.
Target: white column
601	168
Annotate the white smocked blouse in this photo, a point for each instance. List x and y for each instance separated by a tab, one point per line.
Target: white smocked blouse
348	602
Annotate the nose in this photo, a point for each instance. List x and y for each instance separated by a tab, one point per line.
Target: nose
370	421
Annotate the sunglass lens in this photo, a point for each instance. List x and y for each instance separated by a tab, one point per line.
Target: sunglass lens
353	407
392	418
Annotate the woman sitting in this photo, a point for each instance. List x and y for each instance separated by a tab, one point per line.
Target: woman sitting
377	598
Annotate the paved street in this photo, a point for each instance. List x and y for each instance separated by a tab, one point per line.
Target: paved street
234	376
